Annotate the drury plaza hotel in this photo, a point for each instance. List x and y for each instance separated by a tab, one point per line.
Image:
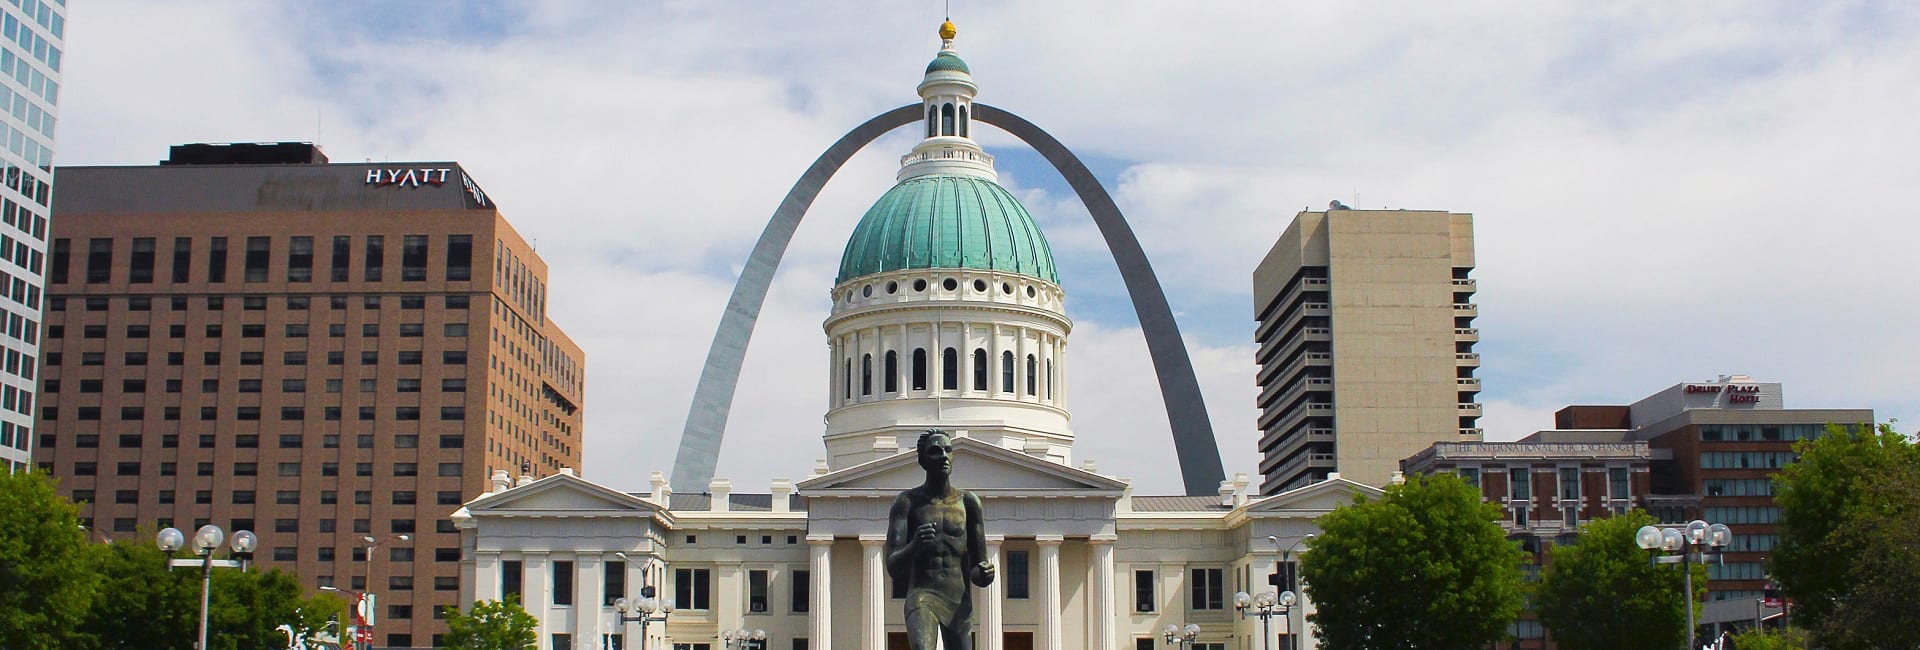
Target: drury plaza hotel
325	354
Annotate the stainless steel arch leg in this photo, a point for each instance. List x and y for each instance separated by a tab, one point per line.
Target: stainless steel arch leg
1199	454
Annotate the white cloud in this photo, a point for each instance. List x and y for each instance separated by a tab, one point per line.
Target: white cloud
1662	192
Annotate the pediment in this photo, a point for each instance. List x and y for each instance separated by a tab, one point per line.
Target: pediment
1323	496
977	466
561	493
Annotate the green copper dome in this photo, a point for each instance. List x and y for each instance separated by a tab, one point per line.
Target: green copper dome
947	60
947	222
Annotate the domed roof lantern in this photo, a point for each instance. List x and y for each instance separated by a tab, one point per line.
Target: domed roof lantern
947	93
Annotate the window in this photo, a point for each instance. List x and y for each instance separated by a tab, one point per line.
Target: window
375	258
255	262
892	368
562	575
1519	493
300	259
1143	600
62	258
757	591
1617	483
1570	495
413	258
920	369
99	260
800	592
510	576
1033	371
1207	590
1471	475
342	250
613	583
692	588
459	257
1016	566
141	267
866	374
1006	372
979	369
217	262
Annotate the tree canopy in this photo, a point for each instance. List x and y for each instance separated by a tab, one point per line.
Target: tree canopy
1602	592
1849	548
47	581
1426	566
491	625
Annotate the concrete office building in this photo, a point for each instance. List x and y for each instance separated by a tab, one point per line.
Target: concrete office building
1365	343
30	53
325	354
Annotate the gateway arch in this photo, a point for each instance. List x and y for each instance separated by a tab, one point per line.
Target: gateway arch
1193	441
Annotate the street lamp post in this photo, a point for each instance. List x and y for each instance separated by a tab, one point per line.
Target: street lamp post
1181	637
745	640
1264	607
1698	542
368	597
363	616
205	542
646	611
1289	585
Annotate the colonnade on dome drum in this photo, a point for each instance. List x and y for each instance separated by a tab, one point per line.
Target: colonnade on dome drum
1200	467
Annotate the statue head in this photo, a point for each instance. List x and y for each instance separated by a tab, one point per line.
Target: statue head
935	449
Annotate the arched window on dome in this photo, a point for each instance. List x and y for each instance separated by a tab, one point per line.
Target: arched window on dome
846	380
893	372
979	369
1033	371
1006	372
950	370
866	374
963	120
933	121
1049	379
946	119
920	369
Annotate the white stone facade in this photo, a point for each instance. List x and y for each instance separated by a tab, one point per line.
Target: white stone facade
1071	547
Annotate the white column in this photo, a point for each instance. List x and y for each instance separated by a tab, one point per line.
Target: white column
1049	633
535	583
990	601
874	593
820	571
486	577
589	589
963	355
1103	633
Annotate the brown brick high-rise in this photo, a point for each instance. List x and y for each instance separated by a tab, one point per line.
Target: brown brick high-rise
321	353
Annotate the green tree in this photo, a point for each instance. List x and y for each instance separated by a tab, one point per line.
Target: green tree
141	604
1602	592
1877	609
1787	639
491	625
1426	566
1845	532
248	607
47	581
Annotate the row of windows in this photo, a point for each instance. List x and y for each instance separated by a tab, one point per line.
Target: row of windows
949	372
252	413
256	303
280	497
13	436
1763	432
1737	571
1743	514
256	358
328	469
1746	459
257	330
240	441
401	385
360	526
23	218
256	259
1739	487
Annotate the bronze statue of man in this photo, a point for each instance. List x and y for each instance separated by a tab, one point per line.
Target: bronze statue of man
937	545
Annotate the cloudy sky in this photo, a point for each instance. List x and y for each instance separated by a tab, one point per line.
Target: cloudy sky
1662	191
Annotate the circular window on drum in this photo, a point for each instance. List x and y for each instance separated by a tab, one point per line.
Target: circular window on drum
892	287
1030	291
919	285
866	291
951	284
980	286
